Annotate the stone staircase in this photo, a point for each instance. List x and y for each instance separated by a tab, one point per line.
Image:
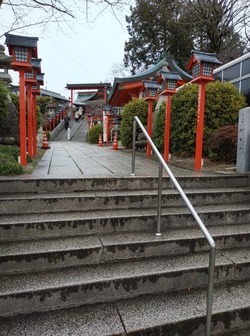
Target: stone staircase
80	257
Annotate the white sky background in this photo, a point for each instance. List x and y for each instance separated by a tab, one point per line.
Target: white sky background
84	54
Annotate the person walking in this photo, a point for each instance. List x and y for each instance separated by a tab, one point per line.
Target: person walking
66	122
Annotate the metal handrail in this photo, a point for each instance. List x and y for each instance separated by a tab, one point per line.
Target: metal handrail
193	212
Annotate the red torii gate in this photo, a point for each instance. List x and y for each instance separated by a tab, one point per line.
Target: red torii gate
88	86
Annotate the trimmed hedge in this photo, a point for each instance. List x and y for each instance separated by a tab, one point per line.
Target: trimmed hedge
222	145
223	102
8	161
4	100
139	108
93	134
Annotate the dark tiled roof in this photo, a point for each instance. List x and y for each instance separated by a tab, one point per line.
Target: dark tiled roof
166	63
206	57
87	86
22	41
53	94
151	85
170	75
35	62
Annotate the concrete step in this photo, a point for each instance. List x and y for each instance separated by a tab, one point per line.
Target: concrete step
61	288
46	254
45	203
28	185
87	247
82	223
170	314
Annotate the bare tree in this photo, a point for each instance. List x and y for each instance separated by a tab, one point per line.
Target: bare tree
28	13
215	20
118	70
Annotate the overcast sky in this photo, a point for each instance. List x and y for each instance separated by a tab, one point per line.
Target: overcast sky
85	55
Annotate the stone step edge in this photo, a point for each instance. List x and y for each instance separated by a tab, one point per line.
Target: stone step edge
106	241
120	193
74	277
104	252
86	215
14	184
161	313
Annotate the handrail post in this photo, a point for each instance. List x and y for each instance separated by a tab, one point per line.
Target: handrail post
193	212
158	230
133	148
210	290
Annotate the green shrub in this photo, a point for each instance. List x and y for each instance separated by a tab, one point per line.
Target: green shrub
12	151
4	100
139	108
93	134
183	120
43	101
39	118
48	135
222	105
15	100
8	161
222	145
158	132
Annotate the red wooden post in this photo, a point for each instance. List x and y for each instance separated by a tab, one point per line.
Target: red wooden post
30	121
23	159
150	125
34	126
200	126
167	128
107	129
71	103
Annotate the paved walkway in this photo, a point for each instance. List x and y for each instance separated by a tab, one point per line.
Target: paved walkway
81	159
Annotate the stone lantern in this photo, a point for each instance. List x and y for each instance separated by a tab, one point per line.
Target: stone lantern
36	92
202	66
5	62
169	82
22	48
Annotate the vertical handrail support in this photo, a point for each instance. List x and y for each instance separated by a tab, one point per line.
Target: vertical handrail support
212	254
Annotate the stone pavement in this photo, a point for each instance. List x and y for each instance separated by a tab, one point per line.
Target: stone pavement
81	159
77	158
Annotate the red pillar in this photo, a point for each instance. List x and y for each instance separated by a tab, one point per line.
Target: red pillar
30	121
34	126
107	129
105	95
167	128
23	160
200	126
150	123
71	104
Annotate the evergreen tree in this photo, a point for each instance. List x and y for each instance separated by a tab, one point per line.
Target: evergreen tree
215	25
155	27
176	26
